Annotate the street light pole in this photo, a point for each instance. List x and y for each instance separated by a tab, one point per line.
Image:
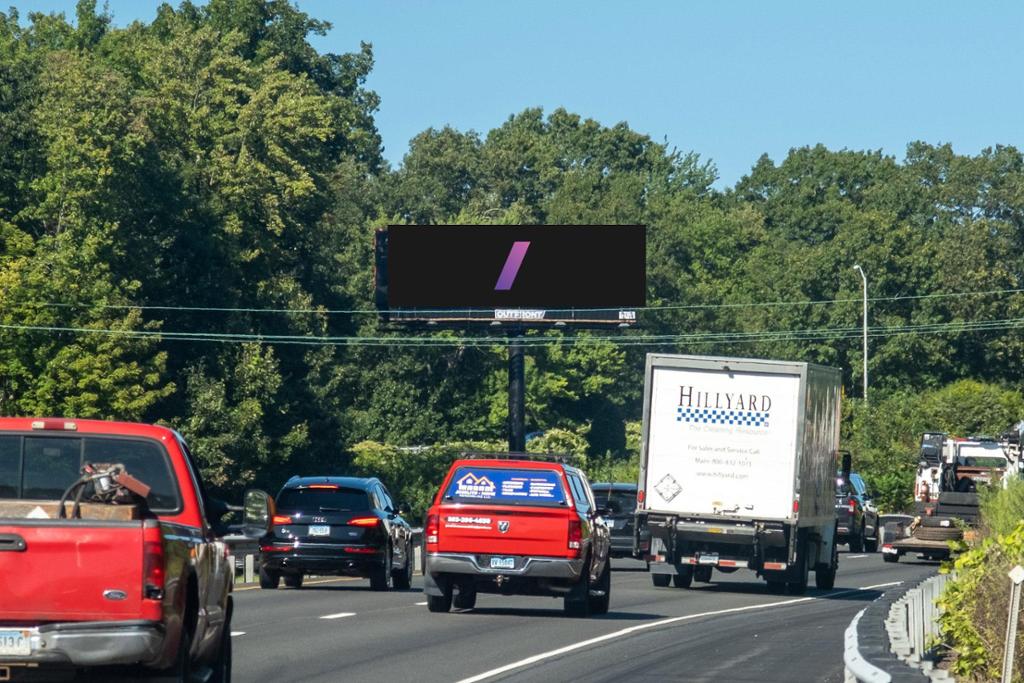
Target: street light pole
865	279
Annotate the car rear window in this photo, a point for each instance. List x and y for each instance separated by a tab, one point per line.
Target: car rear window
319	500
506	486
617	502
41	467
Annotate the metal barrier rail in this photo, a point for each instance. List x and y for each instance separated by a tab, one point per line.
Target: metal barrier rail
913	622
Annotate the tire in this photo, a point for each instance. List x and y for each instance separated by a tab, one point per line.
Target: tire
938	533
439	603
599	603
222	665
890	557
776	587
181	670
661	580
684	579
465	599
825	579
577	601
403	579
702	574
380	577
293	580
857	542
871	544
269	580
799	586
958	498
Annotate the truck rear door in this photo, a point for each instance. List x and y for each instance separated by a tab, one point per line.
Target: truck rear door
506	512
70	570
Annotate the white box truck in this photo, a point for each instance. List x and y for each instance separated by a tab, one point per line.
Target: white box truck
738	469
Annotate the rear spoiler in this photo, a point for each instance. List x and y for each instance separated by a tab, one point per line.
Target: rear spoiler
563	458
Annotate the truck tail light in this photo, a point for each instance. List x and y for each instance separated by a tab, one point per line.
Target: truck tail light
640	497
853	505
282	519
364	521
54	424
152	561
433	523
575	534
796	505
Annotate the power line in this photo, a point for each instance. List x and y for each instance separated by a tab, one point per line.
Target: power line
642	309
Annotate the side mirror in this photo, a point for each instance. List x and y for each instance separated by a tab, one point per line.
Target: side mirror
257	513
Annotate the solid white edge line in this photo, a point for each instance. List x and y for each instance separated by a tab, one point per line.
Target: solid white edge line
339	615
655	624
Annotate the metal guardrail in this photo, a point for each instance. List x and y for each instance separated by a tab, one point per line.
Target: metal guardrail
888	642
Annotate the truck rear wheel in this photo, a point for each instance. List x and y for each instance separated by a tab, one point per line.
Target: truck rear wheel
798	585
702	574
857	542
661	580
599	603
439	603
683	579
825	577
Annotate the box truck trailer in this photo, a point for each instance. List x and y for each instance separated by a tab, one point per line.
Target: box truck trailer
738	470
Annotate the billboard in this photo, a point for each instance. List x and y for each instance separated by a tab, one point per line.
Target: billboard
525	274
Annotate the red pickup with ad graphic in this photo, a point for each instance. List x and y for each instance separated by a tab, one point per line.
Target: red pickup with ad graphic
516	527
109	553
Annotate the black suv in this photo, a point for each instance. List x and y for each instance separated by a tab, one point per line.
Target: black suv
856	516
333	526
619	504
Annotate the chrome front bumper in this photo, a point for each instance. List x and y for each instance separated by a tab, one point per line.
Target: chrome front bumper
547	567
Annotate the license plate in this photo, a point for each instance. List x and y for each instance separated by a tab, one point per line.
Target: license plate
15	643
503	563
319	530
708	559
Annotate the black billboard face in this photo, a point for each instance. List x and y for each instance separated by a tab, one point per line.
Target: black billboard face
515	267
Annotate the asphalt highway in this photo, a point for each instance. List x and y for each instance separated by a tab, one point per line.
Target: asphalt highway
729	630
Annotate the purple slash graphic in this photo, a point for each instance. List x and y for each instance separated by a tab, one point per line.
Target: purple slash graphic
515	259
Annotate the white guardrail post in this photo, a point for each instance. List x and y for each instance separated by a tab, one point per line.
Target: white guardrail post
1010	646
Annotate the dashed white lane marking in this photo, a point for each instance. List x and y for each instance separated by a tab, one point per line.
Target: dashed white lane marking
421	603
855	557
655	624
237	633
339	615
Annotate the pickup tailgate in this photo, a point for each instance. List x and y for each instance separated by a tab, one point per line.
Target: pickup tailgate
504	530
70	570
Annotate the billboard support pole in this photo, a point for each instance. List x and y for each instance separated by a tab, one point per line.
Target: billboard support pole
516	393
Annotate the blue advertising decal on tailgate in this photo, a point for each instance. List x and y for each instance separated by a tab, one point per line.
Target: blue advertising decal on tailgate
541	487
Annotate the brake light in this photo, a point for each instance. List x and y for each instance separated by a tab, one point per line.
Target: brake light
55	424
853	505
640	496
796	505
152	561
323	486
575	534
363	521
432	527
361	551
282	519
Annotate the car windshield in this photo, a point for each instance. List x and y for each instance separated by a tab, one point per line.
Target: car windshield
506	486
318	500
982	461
617	502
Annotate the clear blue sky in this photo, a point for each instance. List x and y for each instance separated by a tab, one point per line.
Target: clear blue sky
729	80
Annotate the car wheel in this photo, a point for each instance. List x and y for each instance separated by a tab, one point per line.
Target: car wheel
577	600
293	580
857	542
380	576
181	670
890	557
403	579
683	579
702	574
222	665
269	580
466	599
661	580
871	544
439	603
599	603
825	579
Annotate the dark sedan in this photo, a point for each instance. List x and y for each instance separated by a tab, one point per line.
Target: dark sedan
619	502
334	526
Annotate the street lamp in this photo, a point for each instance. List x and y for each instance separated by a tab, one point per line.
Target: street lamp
865	279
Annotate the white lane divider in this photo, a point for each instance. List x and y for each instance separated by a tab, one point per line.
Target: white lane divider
339	615
855	557
421	603
237	633
655	624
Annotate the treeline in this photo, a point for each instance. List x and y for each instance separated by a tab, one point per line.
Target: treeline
186	218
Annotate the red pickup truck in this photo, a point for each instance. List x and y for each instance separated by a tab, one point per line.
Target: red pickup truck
516	527
142	586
